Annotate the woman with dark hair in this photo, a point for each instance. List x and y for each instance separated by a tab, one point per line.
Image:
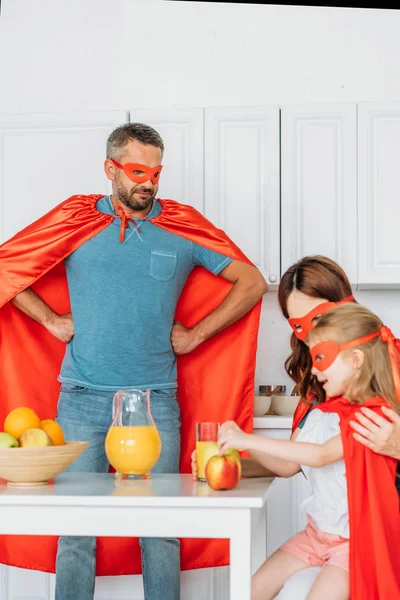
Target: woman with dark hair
307	290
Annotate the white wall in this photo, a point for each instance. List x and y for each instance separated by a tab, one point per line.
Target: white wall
59	56
62	55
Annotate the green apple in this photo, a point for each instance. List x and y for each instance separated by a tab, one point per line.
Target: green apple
7	441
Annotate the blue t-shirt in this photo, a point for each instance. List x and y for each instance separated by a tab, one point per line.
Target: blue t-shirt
123	298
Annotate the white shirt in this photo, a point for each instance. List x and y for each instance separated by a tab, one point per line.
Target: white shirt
328	503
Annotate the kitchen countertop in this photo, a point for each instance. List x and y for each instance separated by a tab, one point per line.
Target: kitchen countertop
272	422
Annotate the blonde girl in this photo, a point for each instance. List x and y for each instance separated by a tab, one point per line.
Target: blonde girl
353	512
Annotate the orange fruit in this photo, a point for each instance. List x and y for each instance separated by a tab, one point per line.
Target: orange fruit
53	430
19	420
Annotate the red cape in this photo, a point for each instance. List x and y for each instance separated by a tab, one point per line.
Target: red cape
301	410
374	516
216	381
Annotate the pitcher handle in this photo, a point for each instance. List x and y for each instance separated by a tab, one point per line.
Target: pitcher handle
117	404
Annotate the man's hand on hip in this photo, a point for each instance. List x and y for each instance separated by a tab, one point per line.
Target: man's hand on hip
61	327
183	340
32	305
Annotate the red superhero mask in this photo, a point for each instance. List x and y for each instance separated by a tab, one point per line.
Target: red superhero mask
324	354
302	325
139	173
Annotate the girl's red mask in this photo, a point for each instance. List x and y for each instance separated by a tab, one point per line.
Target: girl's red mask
302	325
324	354
139	173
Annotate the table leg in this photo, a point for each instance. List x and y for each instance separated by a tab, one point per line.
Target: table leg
258	538
240	557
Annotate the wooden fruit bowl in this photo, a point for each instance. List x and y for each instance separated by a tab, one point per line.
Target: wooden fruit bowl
35	466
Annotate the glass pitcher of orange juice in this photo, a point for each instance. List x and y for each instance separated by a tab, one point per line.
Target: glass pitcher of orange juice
133	444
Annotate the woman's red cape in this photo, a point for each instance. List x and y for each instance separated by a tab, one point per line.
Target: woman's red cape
216	381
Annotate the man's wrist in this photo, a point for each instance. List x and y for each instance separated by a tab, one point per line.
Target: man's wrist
49	319
198	333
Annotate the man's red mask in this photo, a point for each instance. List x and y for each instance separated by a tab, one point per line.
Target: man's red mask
139	173
302	325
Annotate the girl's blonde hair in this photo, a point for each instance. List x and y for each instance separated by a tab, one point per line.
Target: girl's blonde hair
374	378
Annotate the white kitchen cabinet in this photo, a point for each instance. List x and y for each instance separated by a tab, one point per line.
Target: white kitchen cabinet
378	195
319	184
182	130
242	180
225	162
46	158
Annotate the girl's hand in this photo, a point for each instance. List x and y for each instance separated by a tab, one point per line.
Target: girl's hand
231	436
378	434
194	464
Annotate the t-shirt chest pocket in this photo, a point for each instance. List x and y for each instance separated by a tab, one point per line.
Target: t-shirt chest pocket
162	264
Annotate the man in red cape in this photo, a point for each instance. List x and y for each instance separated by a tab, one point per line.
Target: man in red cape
215	380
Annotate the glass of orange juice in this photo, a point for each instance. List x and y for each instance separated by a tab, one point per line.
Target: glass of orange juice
206	445
133	444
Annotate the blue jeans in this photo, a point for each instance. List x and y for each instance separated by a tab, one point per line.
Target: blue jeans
86	414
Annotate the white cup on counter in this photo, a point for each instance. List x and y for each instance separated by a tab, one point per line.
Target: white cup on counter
262	402
284	406
261	405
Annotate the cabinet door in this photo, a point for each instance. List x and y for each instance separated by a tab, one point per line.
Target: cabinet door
46	158
242	180
319	184
182	176
378	195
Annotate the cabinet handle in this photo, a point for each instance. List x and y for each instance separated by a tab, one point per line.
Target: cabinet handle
272	278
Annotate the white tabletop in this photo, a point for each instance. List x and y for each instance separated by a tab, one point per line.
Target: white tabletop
94	489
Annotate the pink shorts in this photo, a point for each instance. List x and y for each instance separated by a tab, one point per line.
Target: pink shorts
317	548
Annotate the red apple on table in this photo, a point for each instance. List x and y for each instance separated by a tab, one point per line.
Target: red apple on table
223	472
236	455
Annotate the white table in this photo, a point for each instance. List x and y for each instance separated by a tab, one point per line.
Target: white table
165	506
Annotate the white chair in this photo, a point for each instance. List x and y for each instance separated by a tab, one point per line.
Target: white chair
299	585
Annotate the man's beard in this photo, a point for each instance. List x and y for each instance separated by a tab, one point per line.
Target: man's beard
126	198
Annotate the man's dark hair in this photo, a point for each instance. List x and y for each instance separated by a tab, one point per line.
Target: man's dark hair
119	138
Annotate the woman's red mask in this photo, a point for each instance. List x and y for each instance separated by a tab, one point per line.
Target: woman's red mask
302	325
139	173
